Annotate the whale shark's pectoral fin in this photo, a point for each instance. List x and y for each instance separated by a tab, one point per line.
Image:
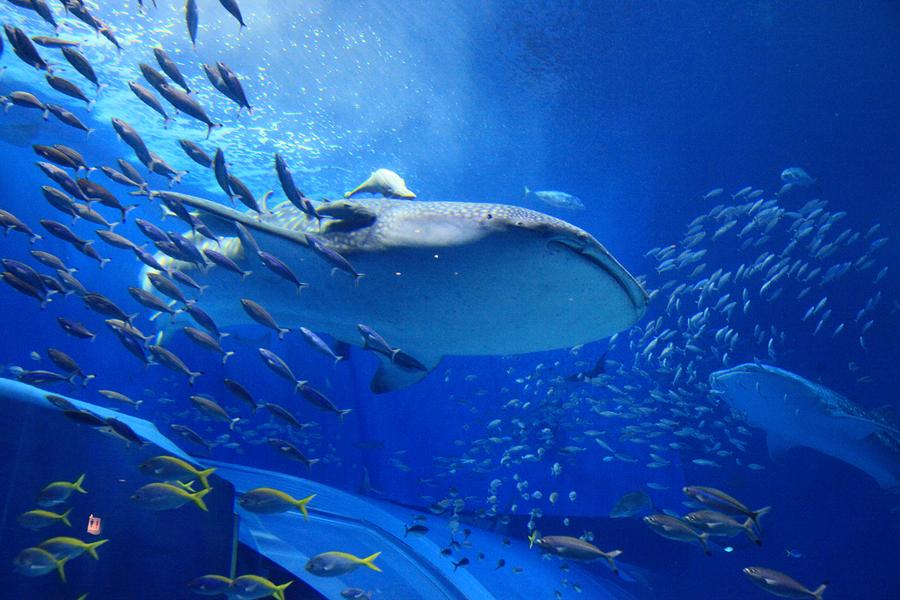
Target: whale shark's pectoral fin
401	371
777	446
220	219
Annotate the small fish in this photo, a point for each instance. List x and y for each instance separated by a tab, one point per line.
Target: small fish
292	452
232	7
556	199
58	492
262	316
226	263
674	528
721	501
84	417
168	468
333	564
320	401
34	562
333	258
461	563
191	16
81	64
211	585
190	435
170	68
196	153
10	222
319	344
75	329
165	496
212	409
270	501
207	341
284	415
125	432
39	519
282	270
254	586
416	529
782	585
241	392
168	359
188	105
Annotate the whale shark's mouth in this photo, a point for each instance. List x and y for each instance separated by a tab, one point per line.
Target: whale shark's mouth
597	256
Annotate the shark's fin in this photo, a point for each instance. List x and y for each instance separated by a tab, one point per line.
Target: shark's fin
393	375
220	219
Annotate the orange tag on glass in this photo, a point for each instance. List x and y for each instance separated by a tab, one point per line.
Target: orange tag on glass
94	527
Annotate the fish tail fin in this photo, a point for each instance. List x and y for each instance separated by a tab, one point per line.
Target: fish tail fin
246	274
817	594
210	127
203	476
86	379
92	548
60	568
282	331
65	517
226	356
527	191
194	375
703	537
137	404
369	561
532	537
299	386
279	590
343	412
357	277
197	498
311	462
610	556
759	514
103	261
301	504
751	532
77	484
233	422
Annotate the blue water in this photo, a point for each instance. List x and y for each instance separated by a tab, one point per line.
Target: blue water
638	110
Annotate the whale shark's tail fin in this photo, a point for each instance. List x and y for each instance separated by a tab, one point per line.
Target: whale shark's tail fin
401	371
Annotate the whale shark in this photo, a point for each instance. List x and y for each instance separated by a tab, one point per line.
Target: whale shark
435	278
794	411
